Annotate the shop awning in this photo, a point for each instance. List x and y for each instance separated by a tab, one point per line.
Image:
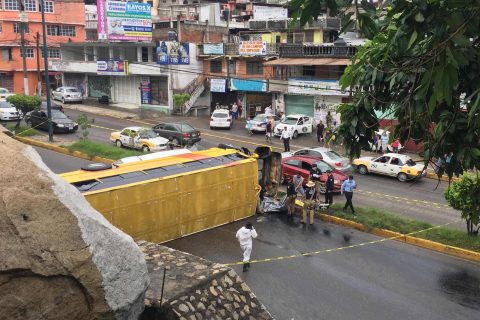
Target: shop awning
309	62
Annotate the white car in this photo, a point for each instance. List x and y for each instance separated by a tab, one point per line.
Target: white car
259	123
391	164
296	124
5	93
139	138
67	94
8	111
221	119
329	156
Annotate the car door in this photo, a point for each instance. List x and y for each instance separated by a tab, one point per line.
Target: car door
290	168
57	94
160	128
171	131
308	124
299	125
395	166
380	165
125	137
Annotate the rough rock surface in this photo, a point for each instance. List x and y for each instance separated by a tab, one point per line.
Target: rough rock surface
59	258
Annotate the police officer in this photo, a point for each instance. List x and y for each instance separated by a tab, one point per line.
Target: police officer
315	175
291	196
329	188
309	203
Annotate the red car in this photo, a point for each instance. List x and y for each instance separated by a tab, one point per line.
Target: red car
303	164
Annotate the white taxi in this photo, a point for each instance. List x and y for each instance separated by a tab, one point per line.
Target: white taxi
296	124
139	138
391	164
221	118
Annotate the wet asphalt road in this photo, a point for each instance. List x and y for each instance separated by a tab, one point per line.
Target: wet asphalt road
385	280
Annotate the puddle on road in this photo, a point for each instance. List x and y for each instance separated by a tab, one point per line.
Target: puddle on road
462	288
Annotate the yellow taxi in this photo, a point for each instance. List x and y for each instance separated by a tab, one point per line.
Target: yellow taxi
391	164
139	138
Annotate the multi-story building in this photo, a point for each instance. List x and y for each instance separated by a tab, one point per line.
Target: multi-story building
65	22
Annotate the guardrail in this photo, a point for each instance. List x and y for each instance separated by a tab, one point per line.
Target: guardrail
305	51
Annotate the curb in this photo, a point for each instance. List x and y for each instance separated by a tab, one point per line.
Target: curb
419	242
58	149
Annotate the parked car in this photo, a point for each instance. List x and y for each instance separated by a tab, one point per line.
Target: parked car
221	119
5	93
303	165
179	133
8	111
139	138
391	164
53	105
296	124
328	155
259	122
38	119
67	94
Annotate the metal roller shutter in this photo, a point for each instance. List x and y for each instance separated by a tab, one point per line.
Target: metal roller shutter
299	105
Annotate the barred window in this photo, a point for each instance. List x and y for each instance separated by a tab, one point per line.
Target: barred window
30	5
28	53
53	53
52	30
254	67
16	27
68	31
48	6
215	66
11	5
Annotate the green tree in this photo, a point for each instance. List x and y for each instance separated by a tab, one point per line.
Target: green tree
85	123
179	101
24	104
463	195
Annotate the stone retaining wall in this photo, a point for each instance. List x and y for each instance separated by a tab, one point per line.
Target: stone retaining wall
195	289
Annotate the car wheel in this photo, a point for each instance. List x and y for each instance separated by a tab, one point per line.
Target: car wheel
118	143
362	170
402	177
145	149
175	142
295	134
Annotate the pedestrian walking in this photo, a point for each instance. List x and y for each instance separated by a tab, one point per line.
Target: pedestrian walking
320	129
347	189
235	111
269	129
245	235
298	183
285	136
291	196
240	110
309	203
248	126
329	188
329	119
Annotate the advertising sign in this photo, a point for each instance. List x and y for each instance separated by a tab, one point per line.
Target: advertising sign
269	13
248	85
146	90
112	67
217	85
213	48
252	48
315	87
124	21
173	52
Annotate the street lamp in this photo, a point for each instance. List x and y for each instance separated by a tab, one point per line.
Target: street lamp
47	81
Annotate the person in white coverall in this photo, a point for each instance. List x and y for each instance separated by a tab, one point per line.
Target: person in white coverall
244	236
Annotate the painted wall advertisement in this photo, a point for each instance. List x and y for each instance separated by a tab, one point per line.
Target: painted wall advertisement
323	105
217	85
124	21
269	13
173	52
112	67
315	87
213	48
248	85
252	48
146	90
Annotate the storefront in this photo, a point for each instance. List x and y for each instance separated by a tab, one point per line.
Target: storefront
6	80
252	95
256	102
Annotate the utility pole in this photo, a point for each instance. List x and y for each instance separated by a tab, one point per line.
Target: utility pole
47	82
23	19
39	83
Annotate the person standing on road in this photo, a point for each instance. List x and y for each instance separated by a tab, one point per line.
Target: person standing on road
320	129
248	126
269	111
309	203
329	188
245	235
269	129
315	175
285	136
235	111
291	196
347	189
298	183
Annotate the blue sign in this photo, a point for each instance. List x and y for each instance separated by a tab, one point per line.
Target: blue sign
146	91
248	85
173	52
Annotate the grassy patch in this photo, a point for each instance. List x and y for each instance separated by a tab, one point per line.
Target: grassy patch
376	218
95	149
22	130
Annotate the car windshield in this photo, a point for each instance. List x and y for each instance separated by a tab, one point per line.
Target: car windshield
290	121
323	166
410	163
58	115
71	90
260	118
4	104
220	115
147	134
333	155
186	127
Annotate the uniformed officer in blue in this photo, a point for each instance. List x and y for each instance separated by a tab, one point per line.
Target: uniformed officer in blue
347	189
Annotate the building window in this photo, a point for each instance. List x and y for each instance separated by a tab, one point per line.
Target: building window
30	5
52	30
254	67
11	5
28	53
52	53
48	6
1	25
68	31
7	54
309	71
215	66
16	27
231	67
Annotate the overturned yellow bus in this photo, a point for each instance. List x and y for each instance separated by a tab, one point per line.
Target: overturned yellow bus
163	199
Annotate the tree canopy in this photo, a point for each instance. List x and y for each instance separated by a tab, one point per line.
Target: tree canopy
422	66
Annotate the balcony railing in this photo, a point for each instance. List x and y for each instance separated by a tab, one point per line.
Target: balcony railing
321	23
91	24
302	50
231	49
